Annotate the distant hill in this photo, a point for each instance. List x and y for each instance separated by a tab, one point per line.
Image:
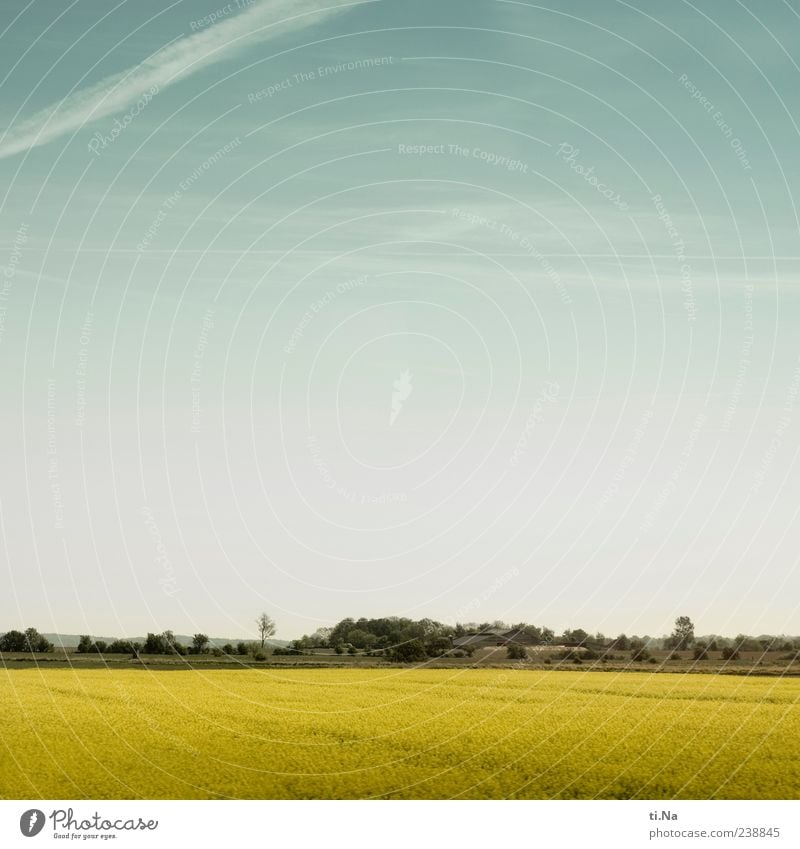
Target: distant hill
70	641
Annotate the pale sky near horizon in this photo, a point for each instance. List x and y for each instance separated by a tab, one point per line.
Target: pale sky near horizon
572	224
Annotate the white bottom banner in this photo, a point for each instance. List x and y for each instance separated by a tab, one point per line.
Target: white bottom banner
396	824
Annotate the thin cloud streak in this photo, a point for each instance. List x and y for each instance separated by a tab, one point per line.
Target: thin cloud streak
176	61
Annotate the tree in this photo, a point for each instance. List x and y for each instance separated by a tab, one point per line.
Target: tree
200	643
171	644
227	648
438	645
100	646
266	628
745	643
577	637
241	648
31	640
515	652
360	639
34	641
683	635
84	644
320	638
153	644
13	641
412	651
532	631
306	643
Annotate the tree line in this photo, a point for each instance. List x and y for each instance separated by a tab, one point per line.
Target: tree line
29	640
165	643
406	640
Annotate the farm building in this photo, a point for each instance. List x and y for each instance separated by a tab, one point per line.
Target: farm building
519	638
495	637
489	637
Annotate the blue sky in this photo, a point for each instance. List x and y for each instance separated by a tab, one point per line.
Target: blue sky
227	233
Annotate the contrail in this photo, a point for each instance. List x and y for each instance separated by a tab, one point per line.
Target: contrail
169	65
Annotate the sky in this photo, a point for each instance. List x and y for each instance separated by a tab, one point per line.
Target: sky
462	310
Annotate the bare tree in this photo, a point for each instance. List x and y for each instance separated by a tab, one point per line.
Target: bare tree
266	628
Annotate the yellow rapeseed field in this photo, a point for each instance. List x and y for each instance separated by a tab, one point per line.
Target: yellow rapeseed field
396	733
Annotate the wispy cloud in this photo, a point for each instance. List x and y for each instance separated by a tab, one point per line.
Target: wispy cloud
172	63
